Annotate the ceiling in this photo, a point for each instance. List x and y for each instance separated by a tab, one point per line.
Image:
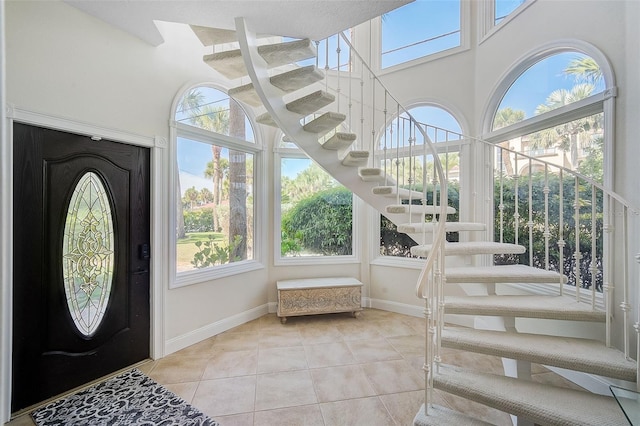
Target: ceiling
315	19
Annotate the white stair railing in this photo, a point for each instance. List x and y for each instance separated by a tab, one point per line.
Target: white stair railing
612	222
389	138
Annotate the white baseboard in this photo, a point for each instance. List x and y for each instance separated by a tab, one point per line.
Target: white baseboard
273	307
399	308
202	333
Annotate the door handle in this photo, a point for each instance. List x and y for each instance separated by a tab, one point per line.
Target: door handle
144	252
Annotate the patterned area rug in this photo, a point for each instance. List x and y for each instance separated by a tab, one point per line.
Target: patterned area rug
128	399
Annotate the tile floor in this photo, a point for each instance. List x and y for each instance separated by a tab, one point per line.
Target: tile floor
330	370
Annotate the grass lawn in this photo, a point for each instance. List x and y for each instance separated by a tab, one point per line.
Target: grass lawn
186	247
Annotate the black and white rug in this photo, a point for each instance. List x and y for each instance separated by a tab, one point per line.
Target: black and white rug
128	399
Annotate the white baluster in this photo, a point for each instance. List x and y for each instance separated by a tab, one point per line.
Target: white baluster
501	205
516	214
547	234
561	242
530	222
593	266
625	305
607	285
577	255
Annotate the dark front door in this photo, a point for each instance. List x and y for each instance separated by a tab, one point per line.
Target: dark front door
81	261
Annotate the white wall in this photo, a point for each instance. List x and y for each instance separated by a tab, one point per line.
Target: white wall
65	63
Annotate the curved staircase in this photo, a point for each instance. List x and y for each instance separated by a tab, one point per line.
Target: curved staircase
297	99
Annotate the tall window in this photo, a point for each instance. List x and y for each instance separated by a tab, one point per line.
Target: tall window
504	8
420	29
549	121
316	212
555	82
411	165
215	182
495	14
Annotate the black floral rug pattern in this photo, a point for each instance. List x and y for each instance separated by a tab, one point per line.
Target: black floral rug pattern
130	398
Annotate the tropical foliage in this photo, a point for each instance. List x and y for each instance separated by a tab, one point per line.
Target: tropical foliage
320	223
227	201
506	224
394	243
316	214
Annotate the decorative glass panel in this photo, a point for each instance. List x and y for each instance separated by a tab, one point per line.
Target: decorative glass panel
87	252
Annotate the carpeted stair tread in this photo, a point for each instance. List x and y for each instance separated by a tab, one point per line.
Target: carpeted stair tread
417	209
429	227
375	174
355	158
392	192
311	103
287	52
503	274
442	416
247	94
266	119
297	79
288	82
542	404
339	140
589	356
211	36
469	248
546	307
324	123
231	64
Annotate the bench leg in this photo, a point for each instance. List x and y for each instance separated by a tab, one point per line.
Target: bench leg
355	314
283	320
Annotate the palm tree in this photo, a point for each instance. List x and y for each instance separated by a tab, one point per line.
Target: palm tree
506	117
191	196
584	70
180	231
237	186
206	195
189	105
566	135
214	119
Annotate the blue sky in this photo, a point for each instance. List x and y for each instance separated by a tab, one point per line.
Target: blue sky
534	86
418	21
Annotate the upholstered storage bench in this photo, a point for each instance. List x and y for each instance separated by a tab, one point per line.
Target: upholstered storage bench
309	296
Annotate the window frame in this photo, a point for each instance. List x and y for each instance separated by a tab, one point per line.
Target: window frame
197	276
465	44
278	260
486	16
600	102
463	144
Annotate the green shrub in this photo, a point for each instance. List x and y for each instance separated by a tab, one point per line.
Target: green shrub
320	223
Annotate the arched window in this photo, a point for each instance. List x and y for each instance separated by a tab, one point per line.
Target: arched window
216	159
560	96
548	119
411	164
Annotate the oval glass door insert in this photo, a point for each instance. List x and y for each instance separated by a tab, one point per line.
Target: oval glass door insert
87	252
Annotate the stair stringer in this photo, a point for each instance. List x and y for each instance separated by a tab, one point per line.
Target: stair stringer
289	123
